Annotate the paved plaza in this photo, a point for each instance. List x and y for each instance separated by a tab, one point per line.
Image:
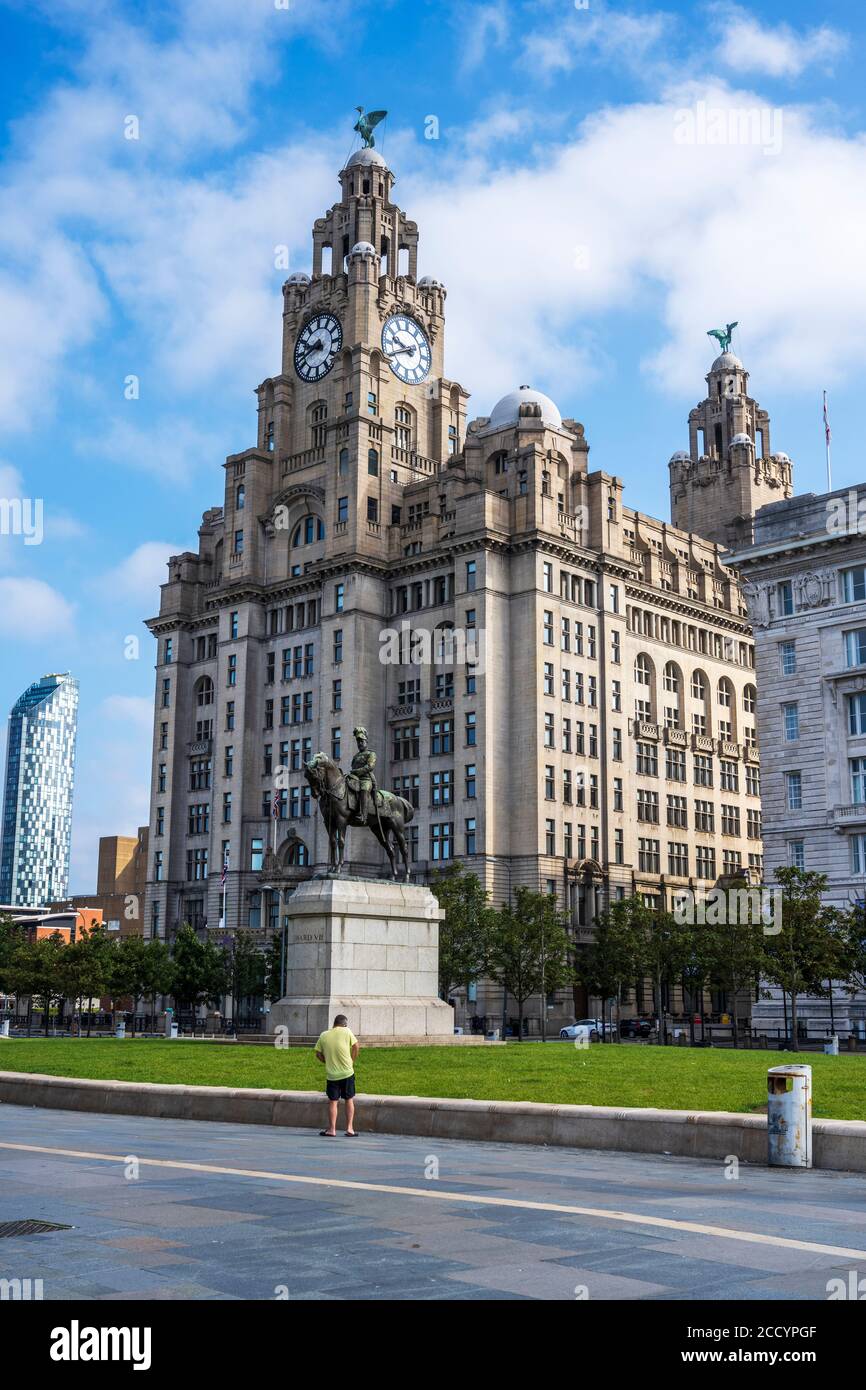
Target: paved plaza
290	1215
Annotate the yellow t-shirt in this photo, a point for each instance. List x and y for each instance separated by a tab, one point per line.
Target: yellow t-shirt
336	1047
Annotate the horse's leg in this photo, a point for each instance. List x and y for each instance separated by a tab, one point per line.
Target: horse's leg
384	841
404	848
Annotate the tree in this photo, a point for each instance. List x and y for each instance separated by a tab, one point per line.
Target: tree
131	970
200	975
807	952
11	937
733	949
157	972
273	959
670	951
614	958
465	928
528	948
35	970
246	968
87	968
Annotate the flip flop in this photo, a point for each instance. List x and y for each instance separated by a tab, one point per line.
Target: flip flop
326	1134
351	1134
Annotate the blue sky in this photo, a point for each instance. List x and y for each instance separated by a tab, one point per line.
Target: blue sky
606	184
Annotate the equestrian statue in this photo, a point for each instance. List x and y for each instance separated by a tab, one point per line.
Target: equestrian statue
355	799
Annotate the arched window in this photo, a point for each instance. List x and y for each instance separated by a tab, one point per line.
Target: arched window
750	699
499	462
643	669
298	856
240	497
699	686
727	710
318	417
373	463
403	427
673	684
343	464
308	530
725	693
204	691
672	678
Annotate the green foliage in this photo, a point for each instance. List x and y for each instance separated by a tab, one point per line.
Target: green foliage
809	950
200	973
528	947
464	930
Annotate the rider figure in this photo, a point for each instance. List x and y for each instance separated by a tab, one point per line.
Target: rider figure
361	778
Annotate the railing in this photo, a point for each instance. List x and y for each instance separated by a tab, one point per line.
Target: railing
292	462
412	460
677	737
200	747
702	743
728	750
646	730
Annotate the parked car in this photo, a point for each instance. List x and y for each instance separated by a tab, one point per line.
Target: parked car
635	1027
577	1030
596	1028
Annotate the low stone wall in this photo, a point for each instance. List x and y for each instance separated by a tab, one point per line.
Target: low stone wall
836	1144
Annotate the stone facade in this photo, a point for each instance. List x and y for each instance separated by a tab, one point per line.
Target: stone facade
367	950
804	581
580	715
729	469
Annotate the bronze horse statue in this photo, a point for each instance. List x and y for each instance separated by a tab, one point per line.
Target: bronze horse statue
339	807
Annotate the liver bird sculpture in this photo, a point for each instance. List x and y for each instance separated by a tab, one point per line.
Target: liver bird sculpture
366	123
722	334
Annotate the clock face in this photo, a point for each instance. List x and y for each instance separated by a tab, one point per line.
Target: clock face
316	350
406	347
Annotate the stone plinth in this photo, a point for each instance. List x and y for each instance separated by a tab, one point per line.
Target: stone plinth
367	949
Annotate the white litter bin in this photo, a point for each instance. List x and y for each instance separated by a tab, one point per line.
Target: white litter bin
831	1047
120	1030
789	1117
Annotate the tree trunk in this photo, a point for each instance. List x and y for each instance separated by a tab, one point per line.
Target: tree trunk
794	1039
520	1018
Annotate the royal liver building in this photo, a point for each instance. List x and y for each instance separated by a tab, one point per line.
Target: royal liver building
562	687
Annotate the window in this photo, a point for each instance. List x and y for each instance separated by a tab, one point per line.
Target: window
547	678
471	781
549	783
616	745
788	658
372	509
160	778
441	737
618	847
196	863
257	855
729	776
857	767
160	820
791	722
407	742
342	509
730	820
794	791
797	854
617	794
343	466
240	497
168	649
157	866
647	760
336	695
703	770
470	729
166	692
373	463
440	842
232	671
441	788
371	402
786	598
855	647
339	597
548	731
163	736
853	584
648	806
238	543
233	625
856	714
649	857
677	811
753	824
547	629
614	648
470	835
753	781
227	808
678	860
705	861
550	837
229	761
858	854
705	818
675	764
471	574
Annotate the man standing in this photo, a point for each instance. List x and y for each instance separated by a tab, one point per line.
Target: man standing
338	1048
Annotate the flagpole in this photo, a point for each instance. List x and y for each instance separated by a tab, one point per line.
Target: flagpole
225	887
827	444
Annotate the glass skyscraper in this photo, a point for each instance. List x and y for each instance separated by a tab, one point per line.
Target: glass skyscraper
37	809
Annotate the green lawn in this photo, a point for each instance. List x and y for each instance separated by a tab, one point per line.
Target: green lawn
668	1078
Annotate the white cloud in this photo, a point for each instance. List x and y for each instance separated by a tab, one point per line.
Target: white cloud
623	218
139	576
171	449
587	35
132	710
482	28
747	46
31	610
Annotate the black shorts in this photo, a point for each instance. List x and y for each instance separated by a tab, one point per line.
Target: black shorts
341	1090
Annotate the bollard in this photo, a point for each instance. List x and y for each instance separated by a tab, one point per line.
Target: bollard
831	1047
4	1028
789	1117
120	1030
852	1042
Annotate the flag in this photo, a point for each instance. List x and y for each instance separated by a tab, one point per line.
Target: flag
275	808
826	422
225	871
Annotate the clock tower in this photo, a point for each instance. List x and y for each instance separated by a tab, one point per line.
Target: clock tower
362	388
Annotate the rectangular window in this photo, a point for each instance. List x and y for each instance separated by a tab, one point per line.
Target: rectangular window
853	584
471	781
471	729
703	770
471	574
232	671
856	714
705	861
677	811
678	860
786	598
407	742
339	597
791	722
616	745
675	764
705	819
471	837
233	625
441	737
440	842
857	768
550	837
649	857
797	854
161	778
788	658
547	629
336	696
729	776
794	791
647	760
855	647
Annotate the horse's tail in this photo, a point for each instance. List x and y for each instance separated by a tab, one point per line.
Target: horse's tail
408	809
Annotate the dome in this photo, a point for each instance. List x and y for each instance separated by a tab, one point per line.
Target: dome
507	411
681	456
366	158
726	362
362	248
299	277
741	439
427	282
783	458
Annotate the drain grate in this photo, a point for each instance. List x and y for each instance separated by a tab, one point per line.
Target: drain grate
29	1228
